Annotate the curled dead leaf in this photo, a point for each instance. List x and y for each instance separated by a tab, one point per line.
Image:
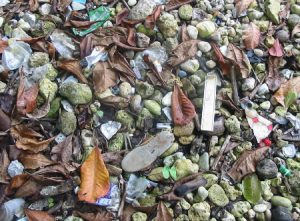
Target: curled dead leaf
73	67
292	85
273	79
28	139
241	6
94	178
276	50
224	66
35	215
246	163
33	5
151	19
3	45
173	4
251	36
41	112
63	151
183	111
163	213
34	161
104	77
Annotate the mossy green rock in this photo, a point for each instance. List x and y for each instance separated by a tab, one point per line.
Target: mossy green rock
292	164
272	8
185	140
144	89
217	195
51	72
48	89
266	190
67	122
125	119
230	191
38	59
171	150
139	216
148	200
281	201
167	24
153	107
48	27
54	107
147	31
76	93
295	9
240	208
143	116
117	143
185	12
185	130
294	182
211	179
206	28
185	167
233	125
199	212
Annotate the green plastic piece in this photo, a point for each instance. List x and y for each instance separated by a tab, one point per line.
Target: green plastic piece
173	173
165	172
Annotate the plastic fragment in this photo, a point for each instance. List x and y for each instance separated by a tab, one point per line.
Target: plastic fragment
11	208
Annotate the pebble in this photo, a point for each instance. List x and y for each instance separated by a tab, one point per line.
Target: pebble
211	64
190	66
15	168
131	2
125	89
204	46
281	214
266	169
217	195
204	161
192	31
258	52
283	35
263	89
142	40
265	105
260	208
202	194
281	201
249	84
167	99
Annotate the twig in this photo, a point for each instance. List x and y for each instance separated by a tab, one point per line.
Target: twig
216	161
234	86
253	93
126	5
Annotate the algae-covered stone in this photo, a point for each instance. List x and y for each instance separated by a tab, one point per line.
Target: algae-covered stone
266	190
185	205
48	89
201	195
272	8
153	107
204	161
199	212
54	107
125	89
143	117
171	150
211	179
185	167
294	182
117	143
217	195
76	93
142	9
167	24
190	66
67	122
144	89
38	59
139	216
148	200
233	125
125	119
295	9
230	191
185	130
136	103
206	28
240	208
292	164
281	201
169	160
185	12
185	140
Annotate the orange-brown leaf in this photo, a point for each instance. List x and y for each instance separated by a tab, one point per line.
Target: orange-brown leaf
26	99
4	165
246	163
34	161
251	36
35	215
94	178
28	139
293	85
276	49
225	67
183	111
73	67
241	6
33	5
104	77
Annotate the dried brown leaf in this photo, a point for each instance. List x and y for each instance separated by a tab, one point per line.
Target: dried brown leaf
4	161
99	216
114	158
183	33
183	110
241	6
104	77
225	67
41	112
63	151
73	67
273	79
163	213
5	121
183	52
131	37
239	59
173	4
251	36
296	30
33	5
292	85
151	19
34	215
121	16
28	139
94	178
16	182
276	50
34	161
29	188
246	163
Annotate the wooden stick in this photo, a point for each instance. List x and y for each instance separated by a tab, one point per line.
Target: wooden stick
235	93
221	152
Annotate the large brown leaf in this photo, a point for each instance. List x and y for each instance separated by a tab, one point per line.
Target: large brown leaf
293	85
34	161
63	151
183	111
239	59
104	77
276	50
251	36
183	52
246	163
173	4
26	98
35	215
73	67
241	6
273	79
94	178
16	182
28	139
163	213
224	65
